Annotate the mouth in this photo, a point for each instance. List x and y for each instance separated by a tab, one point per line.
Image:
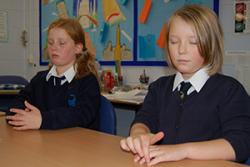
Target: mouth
54	55
182	61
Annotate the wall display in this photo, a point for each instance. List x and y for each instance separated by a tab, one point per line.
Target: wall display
130	32
242	16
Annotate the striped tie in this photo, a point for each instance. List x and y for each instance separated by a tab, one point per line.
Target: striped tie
184	88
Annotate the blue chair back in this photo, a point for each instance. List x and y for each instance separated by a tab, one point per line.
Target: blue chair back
13	79
248	162
107	116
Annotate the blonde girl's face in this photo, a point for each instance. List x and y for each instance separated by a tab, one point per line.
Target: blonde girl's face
184	48
62	49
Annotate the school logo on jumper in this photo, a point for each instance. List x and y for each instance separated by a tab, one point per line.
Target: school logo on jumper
72	100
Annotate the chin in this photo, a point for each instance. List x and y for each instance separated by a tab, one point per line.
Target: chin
183	69
56	64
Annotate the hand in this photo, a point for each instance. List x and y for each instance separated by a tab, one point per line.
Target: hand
29	118
139	145
161	153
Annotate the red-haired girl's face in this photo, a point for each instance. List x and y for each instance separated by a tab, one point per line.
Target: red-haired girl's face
62	49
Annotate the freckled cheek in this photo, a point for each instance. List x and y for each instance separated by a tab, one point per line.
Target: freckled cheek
49	51
65	51
173	53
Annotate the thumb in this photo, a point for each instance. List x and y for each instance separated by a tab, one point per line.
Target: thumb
156	137
29	106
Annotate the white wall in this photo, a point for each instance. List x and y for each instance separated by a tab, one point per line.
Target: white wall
12	50
237	59
236	65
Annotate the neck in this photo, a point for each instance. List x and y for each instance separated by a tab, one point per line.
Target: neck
186	76
62	69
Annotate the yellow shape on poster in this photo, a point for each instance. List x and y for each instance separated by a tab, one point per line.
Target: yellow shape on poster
112	12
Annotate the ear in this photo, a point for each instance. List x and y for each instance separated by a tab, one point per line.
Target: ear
78	48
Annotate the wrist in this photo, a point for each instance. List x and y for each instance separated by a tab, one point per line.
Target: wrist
186	150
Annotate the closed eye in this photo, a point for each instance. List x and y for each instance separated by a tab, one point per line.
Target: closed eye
62	43
171	41
50	42
193	42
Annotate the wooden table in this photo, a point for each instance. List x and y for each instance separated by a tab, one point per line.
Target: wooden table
73	147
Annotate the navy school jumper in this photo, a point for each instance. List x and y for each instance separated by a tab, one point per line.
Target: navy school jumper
220	110
68	105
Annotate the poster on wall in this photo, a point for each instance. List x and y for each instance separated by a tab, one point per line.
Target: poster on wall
131	31
242	16
108	26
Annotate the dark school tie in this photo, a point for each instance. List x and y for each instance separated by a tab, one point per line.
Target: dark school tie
184	88
58	80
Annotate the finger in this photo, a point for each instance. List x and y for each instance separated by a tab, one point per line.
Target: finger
138	148
154	148
16	123
157	137
142	161
16	117
17	111
8	117
21	127
130	144
156	160
124	145
29	106
145	149
136	158
154	152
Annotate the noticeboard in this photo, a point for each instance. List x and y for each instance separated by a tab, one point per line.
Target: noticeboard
113	25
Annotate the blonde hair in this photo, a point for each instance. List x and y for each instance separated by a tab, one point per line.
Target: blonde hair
208	31
85	61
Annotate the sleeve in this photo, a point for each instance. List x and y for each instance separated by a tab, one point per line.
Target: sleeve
148	114
84	114
235	119
25	94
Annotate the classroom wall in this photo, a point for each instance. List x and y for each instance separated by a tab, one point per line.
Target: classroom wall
11	57
237	59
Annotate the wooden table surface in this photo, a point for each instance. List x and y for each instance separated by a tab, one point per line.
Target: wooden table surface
73	147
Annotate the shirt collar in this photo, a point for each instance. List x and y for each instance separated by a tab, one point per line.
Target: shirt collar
198	80
69	74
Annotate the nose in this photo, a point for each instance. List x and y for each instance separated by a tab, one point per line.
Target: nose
53	47
183	47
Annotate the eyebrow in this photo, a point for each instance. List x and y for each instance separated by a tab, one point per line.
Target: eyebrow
176	36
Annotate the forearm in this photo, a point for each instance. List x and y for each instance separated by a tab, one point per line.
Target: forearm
214	149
